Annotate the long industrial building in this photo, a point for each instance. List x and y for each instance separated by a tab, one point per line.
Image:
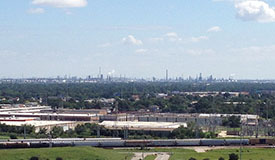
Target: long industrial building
145	126
44	116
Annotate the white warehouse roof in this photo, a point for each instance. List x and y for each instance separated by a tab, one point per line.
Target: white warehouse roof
135	125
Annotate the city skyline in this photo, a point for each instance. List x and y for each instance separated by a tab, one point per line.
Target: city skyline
223	38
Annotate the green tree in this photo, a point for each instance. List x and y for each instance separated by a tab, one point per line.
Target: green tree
233	156
57	132
232	121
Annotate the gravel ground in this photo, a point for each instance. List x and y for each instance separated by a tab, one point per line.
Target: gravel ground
160	155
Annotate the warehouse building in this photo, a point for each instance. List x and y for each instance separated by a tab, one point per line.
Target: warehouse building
146	126
38	124
199	119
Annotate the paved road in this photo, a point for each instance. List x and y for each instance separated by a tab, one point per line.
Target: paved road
160	155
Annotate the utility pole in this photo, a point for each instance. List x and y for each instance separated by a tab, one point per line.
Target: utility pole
241	141
115	124
98	131
24	131
267	121
125	129
257	127
46	99
50	140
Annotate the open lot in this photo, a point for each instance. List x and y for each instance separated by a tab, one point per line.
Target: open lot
215	153
247	154
66	153
90	153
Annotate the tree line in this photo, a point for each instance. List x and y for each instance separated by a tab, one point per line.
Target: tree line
89	130
261	99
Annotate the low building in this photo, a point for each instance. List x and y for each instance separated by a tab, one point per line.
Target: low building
54	116
38	124
197	118
82	111
146	126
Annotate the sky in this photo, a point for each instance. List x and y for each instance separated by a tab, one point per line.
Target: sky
137	38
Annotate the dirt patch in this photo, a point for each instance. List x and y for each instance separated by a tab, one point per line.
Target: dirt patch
142	155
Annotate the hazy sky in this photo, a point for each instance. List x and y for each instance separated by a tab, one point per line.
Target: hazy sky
138	38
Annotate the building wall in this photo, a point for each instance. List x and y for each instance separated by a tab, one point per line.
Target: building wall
198	120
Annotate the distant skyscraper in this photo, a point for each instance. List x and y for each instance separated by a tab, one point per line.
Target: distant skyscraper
100	75
210	78
200	78
167	75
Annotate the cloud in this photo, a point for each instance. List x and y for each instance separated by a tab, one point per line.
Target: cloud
36	11
172	36
200	51
61	3
200	38
7	53
139	28
255	50
130	39
226	0
105	45
141	50
68	12
156	39
214	29
255	10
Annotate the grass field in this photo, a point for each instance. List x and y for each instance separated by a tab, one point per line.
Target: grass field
18	136
67	153
247	154
4	137
90	153
150	157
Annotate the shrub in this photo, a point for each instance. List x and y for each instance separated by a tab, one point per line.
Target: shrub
34	158
233	156
13	136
